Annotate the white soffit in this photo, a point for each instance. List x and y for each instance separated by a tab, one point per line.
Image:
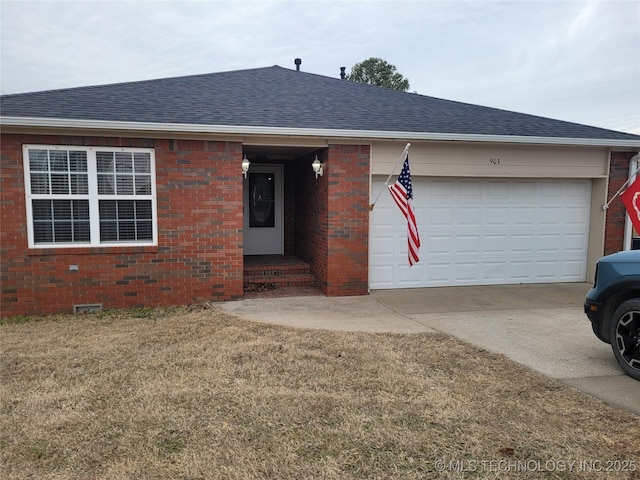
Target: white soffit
305	132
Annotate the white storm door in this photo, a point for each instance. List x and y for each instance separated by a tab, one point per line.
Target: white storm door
263	211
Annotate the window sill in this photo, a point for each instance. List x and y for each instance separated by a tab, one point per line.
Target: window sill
110	250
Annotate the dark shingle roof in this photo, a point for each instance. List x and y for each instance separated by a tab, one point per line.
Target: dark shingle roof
279	97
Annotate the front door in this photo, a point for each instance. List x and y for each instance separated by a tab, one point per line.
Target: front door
263	211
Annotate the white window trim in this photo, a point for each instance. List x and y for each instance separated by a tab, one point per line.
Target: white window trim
93	197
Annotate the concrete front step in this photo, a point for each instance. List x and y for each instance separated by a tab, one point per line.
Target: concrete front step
279	281
269	272
275	270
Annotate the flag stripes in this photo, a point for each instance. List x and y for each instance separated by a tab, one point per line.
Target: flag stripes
402	194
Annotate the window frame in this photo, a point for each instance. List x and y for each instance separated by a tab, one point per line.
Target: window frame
92	196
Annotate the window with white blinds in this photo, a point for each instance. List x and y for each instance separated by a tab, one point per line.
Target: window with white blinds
90	196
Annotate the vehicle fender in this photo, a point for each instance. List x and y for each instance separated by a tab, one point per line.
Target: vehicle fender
629	286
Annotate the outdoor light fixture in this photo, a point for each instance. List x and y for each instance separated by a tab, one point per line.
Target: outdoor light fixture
317	167
245	165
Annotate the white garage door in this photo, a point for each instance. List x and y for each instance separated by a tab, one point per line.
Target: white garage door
483	232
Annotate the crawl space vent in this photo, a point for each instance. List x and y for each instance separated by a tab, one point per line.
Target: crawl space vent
87	308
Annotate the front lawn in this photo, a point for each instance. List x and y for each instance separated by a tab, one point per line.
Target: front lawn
196	393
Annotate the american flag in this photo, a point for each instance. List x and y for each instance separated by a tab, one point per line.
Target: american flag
402	193
631	199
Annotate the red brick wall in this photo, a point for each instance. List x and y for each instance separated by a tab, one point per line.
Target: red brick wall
332	219
614	226
311	213
199	252
347	176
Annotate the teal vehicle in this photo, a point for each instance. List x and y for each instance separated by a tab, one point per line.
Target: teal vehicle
613	306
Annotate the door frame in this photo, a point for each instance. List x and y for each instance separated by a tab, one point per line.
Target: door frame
255	247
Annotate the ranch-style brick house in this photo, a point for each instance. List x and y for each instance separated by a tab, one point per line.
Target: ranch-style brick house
134	194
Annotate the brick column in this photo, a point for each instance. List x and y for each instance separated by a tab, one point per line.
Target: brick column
347	177
332	219
614	226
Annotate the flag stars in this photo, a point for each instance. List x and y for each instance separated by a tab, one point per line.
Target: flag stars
405	178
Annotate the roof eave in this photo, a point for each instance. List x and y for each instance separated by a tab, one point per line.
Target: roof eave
98	125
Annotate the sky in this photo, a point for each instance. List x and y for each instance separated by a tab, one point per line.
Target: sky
577	61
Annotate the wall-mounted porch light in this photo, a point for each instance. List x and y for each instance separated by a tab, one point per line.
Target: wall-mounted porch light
245	165
317	167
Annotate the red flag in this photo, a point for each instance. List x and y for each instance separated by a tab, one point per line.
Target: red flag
402	193
631	199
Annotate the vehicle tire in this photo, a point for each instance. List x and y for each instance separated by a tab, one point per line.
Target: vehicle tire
625	336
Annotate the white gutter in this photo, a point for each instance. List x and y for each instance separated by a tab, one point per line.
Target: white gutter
305	132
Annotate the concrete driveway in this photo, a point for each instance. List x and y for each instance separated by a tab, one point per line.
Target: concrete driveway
541	326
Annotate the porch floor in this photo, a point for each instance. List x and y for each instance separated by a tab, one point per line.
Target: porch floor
273	276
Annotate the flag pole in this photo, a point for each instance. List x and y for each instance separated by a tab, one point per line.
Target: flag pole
402	157
624	186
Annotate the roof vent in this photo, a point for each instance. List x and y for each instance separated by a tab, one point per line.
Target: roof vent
298	62
342	74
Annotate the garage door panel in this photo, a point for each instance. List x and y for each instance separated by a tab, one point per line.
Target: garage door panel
382	246
472	191
466	272
494	272
520	270
496	191
576	216
522	216
410	276
441	188
549	188
479	231
573	270
523	244
439	274
550	216
497	244
468	244
575	243
547	270
438	216
468	216
579	191
522	190
496	216
388	220
550	244
385	276
439	244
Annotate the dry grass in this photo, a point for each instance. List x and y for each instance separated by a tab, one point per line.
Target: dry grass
200	394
